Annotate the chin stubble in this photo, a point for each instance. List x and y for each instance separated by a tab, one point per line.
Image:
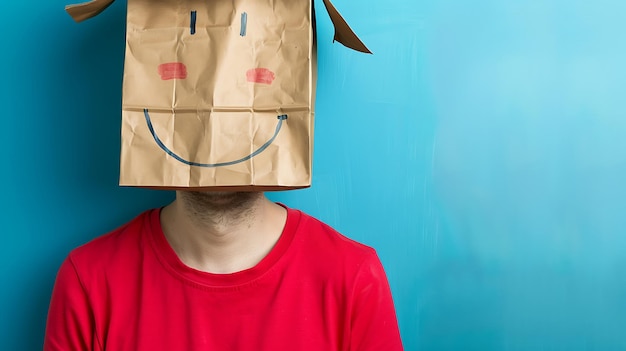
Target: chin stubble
220	208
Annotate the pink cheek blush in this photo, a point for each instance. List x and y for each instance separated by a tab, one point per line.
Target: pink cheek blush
172	70
260	75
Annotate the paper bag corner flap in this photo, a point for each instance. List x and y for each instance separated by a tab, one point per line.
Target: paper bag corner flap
86	10
343	33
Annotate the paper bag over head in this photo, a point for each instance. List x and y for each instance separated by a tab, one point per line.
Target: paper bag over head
219	94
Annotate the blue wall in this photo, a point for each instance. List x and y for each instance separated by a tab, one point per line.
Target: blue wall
480	150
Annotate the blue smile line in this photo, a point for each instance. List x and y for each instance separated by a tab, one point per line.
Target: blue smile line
281	118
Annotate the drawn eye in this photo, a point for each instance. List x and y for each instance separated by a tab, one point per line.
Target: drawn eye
244	24
192	25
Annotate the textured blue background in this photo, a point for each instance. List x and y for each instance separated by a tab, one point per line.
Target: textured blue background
480	150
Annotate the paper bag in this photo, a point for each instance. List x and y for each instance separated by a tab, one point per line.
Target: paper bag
219	94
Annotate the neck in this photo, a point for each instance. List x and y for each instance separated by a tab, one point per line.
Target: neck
222	232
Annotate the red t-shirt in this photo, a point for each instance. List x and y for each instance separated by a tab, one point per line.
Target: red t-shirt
128	290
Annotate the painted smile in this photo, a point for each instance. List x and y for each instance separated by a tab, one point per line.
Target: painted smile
167	150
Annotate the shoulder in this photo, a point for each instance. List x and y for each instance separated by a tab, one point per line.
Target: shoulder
315	229
114	248
329	248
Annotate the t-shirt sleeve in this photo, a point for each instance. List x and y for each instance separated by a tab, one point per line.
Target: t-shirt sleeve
373	320
70	323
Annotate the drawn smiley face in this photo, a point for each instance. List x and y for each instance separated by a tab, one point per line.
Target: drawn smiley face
216	90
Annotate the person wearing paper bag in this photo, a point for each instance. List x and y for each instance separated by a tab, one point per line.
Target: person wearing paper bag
222	267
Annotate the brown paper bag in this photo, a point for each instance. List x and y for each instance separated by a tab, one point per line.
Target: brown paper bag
219	94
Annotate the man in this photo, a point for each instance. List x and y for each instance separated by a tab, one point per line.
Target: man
222	271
